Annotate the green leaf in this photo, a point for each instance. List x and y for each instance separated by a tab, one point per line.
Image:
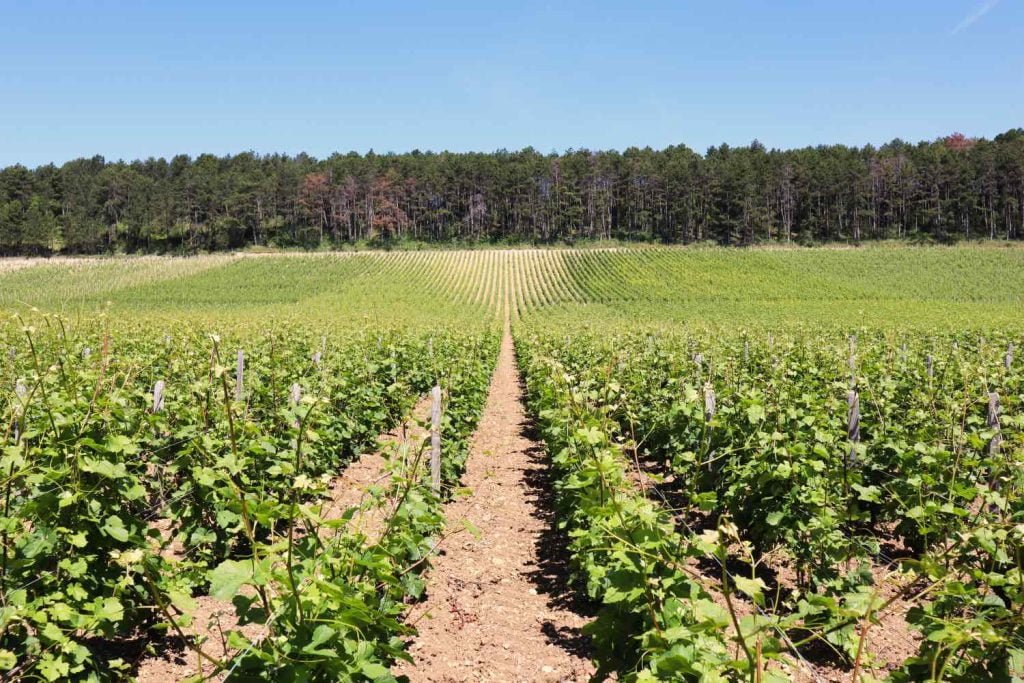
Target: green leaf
183	601
201	536
373	670
591	435
226	519
707	610
752	588
110	609
104	468
227	577
53	669
321	635
115	529
237	640
869	494
52	632
119	443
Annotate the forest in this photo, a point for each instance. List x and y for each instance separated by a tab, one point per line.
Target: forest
950	189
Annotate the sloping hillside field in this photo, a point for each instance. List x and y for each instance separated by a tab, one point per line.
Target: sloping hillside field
654	464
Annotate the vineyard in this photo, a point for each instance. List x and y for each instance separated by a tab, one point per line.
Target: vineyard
765	465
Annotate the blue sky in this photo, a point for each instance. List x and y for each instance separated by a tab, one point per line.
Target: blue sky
137	79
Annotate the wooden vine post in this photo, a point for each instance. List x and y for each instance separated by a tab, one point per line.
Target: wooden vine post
852	435
853	405
295	398
852	361
853	424
710	403
158	396
435	438
710	408
240	376
992	421
995	443
21	391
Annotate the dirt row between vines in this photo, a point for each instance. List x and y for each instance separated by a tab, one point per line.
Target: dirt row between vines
213	618
888	643
496	606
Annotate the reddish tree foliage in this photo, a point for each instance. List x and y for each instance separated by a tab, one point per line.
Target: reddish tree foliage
388	219
959	142
314	197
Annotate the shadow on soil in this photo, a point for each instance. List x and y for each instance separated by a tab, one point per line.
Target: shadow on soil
552	576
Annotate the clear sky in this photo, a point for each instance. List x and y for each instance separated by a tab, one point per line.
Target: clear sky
146	78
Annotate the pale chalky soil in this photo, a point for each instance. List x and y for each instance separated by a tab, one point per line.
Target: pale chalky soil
484	618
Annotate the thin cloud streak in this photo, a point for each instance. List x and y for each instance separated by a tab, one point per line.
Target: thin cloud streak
969	20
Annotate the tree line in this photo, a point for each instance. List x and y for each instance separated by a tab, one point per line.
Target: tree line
948	189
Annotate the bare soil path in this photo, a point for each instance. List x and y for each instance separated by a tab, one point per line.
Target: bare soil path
494	611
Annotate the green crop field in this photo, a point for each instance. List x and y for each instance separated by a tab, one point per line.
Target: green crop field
881	286
780	464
